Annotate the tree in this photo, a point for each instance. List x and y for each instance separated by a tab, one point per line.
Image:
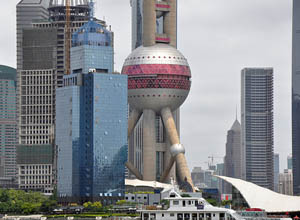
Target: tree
212	201
48	206
4	196
97	206
121	202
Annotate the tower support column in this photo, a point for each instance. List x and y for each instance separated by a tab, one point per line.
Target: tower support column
170	22
177	150
149	143
149	22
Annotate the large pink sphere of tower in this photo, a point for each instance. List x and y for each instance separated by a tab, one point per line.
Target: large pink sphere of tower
158	77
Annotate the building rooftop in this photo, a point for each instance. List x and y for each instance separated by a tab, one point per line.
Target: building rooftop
236	126
7	72
93	34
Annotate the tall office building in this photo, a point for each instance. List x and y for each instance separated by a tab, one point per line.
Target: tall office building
233	157
276	172
257	125
135	154
296	97
92	142
41	72
8	124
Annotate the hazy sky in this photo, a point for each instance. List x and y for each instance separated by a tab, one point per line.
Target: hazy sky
219	38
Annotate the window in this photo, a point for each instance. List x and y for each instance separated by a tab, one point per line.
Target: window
175	202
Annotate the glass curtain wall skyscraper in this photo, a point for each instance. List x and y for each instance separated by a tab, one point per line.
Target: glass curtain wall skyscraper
8	124
257	125
296	97
92	142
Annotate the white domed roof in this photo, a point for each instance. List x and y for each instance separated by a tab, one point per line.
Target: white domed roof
157	54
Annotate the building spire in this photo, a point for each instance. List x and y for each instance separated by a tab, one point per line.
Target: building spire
92	9
236	112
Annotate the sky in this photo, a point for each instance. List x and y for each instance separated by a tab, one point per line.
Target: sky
219	38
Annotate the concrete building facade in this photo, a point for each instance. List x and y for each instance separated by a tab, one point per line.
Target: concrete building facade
8	124
43	61
257	126
296	97
233	157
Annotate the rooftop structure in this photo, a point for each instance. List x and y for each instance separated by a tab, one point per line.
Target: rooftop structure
79	10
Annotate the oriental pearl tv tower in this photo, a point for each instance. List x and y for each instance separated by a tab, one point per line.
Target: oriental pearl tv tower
158	83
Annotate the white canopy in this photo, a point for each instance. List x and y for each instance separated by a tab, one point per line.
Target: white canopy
153	184
259	197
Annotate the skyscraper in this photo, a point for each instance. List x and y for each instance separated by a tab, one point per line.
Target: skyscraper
276	172
8	124
43	58
296	97
233	157
257	125
92	141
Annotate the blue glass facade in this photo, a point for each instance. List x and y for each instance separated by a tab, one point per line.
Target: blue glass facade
92	48
92	140
8	125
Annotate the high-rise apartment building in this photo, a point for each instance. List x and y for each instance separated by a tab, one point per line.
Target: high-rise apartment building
135	154
8	124
92	141
233	157
296	97
257	125
43	59
276	172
